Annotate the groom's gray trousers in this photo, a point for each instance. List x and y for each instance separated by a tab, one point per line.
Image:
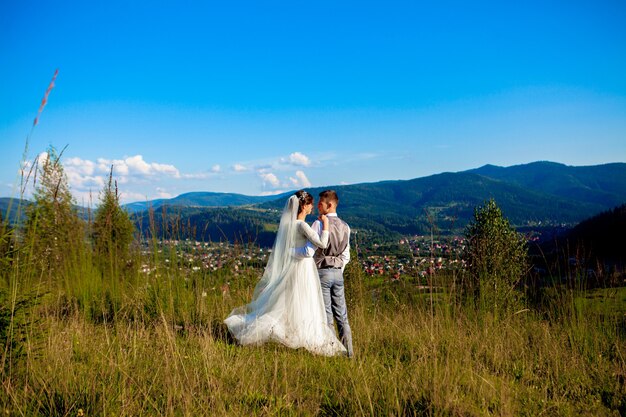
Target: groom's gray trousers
331	281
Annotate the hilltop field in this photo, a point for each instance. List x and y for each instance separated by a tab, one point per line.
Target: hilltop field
151	342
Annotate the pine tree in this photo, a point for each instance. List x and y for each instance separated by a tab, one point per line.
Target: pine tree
497	258
53	228
112	228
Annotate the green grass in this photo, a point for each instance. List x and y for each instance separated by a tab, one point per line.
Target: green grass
122	342
605	301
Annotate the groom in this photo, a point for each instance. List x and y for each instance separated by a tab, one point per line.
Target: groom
330	264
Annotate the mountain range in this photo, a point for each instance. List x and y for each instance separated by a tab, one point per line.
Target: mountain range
537	194
200	199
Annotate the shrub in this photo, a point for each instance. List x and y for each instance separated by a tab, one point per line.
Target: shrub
496	255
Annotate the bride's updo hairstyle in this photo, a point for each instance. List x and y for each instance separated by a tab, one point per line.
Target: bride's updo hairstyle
304	198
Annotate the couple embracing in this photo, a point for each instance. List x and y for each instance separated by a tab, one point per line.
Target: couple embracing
301	292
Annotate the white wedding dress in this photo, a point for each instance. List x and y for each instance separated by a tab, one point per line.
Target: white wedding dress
287	306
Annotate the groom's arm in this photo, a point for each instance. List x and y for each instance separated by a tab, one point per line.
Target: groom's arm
345	255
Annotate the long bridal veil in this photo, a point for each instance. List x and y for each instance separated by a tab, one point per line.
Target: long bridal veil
259	320
280	259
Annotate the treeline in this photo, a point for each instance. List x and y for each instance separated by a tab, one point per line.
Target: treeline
233	225
603	235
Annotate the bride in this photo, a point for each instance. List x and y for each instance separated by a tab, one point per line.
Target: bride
287	305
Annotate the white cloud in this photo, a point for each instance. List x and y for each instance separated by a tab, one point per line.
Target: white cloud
84	182
263	168
84	175
133	196
87	178
136	166
216	168
162	193
297	159
166	169
273	192
301	180
81	166
198	176
239	168
271	179
119	166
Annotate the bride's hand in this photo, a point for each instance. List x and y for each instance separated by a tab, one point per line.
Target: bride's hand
324	221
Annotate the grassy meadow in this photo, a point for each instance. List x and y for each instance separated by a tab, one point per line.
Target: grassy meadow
145	337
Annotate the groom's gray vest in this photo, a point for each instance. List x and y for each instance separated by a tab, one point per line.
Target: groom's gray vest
337	243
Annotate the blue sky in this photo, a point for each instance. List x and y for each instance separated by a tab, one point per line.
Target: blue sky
262	97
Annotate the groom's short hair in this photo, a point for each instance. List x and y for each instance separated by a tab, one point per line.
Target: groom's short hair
329	195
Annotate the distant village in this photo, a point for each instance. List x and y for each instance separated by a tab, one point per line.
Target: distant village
416	256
